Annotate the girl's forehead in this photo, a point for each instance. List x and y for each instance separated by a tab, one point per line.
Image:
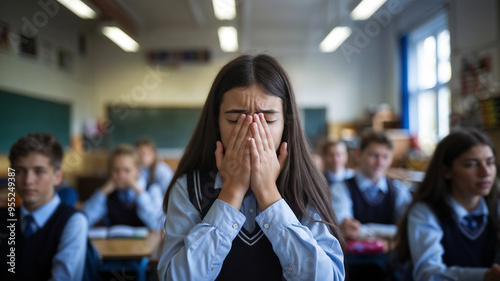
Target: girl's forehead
250	98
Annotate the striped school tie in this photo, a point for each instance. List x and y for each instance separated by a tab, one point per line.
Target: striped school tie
473	222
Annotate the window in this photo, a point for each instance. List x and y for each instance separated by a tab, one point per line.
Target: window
428	74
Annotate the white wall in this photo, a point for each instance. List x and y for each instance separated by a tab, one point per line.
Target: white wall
345	83
346	86
32	76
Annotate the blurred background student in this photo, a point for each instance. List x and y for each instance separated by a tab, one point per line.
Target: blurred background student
126	198
334	154
369	196
452	226
153	170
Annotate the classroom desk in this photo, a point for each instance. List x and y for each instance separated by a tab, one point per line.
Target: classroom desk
406	175
127	248
132	254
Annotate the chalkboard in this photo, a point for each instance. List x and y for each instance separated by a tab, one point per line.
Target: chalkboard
170	128
315	126
21	115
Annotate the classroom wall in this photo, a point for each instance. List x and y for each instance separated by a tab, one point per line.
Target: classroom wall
345	85
36	77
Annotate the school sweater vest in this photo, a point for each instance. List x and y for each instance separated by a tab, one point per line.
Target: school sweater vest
328	180
121	213
461	250
34	254
366	211
251	256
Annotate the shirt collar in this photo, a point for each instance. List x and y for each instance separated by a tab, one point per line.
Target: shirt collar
42	214
460	212
364	183
340	175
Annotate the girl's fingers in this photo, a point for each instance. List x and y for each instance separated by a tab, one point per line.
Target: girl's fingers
235	132
283	155
219	154
244	147
267	131
242	134
256	135
254	152
263	136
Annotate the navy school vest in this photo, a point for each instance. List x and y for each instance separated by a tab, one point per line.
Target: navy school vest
251	256
34	254
461	250
120	213
368	212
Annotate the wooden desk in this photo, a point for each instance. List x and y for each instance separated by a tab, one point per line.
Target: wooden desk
128	248
406	175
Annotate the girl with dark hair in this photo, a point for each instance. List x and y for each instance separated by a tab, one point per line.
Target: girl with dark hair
451	230
247	201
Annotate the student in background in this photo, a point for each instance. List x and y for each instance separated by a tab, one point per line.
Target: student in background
369	196
334	154
153	170
451	229
247	201
125	198
51	237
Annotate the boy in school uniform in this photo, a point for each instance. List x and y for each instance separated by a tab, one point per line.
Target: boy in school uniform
369	196
334	154
50	237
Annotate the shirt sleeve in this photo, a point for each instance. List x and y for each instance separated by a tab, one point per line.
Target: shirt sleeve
306	251
424	236
164	175
95	207
195	249
342	202
149	207
403	199
69	261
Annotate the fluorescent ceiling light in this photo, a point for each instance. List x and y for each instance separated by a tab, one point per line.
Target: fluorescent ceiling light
120	38
79	8
334	39
366	9
224	9
228	38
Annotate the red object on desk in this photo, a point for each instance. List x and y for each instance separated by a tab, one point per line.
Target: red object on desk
365	247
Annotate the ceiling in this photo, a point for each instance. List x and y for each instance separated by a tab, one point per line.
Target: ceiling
261	24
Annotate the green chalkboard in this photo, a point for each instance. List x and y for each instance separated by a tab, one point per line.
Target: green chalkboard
169	127
21	115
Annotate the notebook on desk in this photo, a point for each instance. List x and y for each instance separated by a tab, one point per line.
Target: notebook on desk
118	231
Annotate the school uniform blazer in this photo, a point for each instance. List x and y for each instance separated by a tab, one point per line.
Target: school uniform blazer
195	247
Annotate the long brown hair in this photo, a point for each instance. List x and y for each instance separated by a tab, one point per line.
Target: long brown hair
152	169
300	183
435	187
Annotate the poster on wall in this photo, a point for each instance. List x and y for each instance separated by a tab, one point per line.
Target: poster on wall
65	60
4	36
479	74
28	46
47	52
